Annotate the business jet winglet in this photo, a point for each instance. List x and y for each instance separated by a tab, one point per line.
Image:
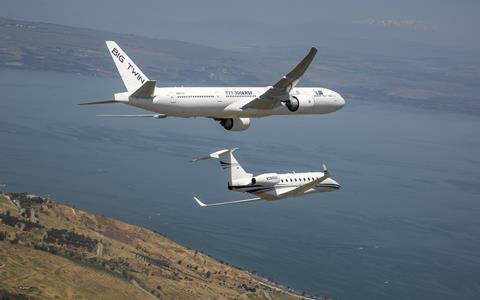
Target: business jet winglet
232	107
268	186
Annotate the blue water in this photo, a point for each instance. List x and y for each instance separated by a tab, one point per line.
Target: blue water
405	225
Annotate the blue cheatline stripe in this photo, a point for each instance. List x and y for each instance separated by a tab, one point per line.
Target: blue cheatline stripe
226	165
267	189
245	186
330	185
258	191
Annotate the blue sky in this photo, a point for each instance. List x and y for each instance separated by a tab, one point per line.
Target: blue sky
243	23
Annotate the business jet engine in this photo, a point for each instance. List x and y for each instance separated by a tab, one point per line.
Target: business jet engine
266	179
235	124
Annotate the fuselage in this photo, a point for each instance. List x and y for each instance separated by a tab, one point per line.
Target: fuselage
227	102
271	186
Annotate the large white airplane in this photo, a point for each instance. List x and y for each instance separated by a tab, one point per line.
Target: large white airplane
269	186
231	106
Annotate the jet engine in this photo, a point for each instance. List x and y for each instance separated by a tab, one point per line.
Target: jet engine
300	103
292	104
235	124
266	179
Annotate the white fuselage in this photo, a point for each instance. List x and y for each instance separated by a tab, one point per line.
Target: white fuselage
273	185
227	102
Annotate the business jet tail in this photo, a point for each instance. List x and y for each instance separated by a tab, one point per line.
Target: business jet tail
132	76
229	164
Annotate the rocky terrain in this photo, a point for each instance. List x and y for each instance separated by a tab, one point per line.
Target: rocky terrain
50	250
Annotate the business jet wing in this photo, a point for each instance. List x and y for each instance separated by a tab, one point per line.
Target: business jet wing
302	189
280	91
226	203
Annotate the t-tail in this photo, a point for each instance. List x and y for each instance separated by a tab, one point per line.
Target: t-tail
234	171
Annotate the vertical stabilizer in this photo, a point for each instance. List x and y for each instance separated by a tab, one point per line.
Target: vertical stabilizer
230	165
132	76
232	168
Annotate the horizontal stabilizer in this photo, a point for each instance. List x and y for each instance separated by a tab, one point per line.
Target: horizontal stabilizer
147	90
214	154
99	102
226	203
157	116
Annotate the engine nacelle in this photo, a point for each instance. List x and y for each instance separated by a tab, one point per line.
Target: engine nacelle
266	179
235	124
300	103
292	104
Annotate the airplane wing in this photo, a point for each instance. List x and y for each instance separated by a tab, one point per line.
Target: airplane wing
157	116
280	91
302	189
226	203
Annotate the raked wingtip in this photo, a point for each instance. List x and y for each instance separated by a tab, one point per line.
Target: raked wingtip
199	202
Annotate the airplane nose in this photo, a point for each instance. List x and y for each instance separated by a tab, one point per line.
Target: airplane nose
336	184
340	102
332	184
336	101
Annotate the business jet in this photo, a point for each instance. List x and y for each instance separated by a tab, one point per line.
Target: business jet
268	186
232	107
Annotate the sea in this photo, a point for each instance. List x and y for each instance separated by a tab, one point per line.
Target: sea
404	225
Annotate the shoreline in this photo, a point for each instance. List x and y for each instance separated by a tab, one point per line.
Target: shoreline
31	215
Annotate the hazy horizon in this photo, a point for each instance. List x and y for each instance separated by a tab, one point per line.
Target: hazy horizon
405	223
249	23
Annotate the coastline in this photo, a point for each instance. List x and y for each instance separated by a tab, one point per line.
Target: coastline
135	259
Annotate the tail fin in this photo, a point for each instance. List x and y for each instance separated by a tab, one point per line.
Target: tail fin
131	75
229	164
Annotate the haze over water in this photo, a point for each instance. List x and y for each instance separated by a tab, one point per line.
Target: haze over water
405	224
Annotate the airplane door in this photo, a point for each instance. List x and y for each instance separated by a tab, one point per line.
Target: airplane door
218	98
172	97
